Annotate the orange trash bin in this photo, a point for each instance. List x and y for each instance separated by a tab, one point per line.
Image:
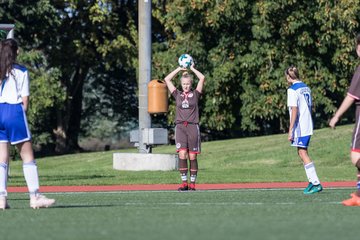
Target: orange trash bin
157	97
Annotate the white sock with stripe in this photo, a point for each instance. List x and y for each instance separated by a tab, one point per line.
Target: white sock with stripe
31	177
3	178
311	173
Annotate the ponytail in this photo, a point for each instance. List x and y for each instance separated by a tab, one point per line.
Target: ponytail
8	54
293	72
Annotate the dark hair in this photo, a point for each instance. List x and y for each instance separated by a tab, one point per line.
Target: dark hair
358	39
8	56
293	72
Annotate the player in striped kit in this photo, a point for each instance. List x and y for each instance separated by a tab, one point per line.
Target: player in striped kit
14	100
353	96
299	102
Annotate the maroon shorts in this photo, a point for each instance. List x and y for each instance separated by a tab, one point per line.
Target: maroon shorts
355	143
187	137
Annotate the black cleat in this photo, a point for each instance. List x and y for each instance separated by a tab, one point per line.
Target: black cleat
183	187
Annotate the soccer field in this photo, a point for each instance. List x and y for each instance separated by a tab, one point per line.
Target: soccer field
231	214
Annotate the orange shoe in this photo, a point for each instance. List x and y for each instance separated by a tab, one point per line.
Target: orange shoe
353	194
353	201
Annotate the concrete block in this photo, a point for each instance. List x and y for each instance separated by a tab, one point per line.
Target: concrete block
145	161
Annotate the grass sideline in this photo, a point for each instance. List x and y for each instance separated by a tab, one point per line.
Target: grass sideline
249	214
210	215
255	159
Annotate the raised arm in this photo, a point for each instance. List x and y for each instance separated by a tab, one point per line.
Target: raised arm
201	78
169	77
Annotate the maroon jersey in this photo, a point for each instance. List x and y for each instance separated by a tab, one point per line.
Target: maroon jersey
187	109
354	92
354	89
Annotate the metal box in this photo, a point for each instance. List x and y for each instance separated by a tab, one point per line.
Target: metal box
134	136
150	136
155	136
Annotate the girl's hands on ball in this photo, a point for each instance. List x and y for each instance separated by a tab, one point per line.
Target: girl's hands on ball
181	69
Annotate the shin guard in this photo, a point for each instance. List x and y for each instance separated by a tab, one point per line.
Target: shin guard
183	168
193	170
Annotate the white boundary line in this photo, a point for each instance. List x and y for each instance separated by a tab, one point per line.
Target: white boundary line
193	192
120	203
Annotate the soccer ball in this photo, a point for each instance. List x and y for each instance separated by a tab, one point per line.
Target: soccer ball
185	60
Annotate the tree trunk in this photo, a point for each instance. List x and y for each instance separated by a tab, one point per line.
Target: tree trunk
69	119
60	135
75	110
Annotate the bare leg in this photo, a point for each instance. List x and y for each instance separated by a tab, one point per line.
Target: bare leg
4	158
309	166
355	159
26	152
29	167
303	154
31	176
4	161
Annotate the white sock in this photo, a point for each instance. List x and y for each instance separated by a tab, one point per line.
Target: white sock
3	178
31	177
311	173
184	177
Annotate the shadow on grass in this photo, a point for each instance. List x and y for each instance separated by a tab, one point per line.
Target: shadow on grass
84	206
63	177
64	206
18	199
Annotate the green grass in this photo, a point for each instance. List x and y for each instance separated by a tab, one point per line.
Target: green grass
243	214
257	159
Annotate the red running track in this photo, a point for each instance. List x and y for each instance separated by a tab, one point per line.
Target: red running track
169	187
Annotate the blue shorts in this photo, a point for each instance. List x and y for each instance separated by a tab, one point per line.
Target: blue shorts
13	124
301	142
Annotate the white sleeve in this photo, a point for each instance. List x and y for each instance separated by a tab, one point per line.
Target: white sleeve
292	98
25	86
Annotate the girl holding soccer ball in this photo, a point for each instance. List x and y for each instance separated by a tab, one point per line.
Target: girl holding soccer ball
187	132
14	100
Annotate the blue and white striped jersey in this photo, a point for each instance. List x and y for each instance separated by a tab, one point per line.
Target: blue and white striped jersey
299	95
15	86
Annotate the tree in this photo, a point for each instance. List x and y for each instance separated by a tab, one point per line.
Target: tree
48	95
244	47
85	41
105	39
304	34
83	57
215	33
46	92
